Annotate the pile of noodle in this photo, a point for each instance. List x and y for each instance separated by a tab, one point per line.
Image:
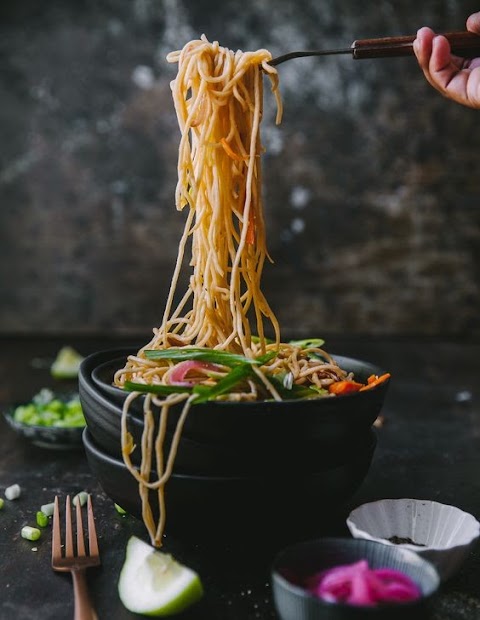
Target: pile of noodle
218	97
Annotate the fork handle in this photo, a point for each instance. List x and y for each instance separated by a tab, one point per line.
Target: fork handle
466	44
83	605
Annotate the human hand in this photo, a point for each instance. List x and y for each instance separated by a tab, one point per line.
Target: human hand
455	77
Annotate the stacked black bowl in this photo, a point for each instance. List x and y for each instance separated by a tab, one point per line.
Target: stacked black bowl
254	465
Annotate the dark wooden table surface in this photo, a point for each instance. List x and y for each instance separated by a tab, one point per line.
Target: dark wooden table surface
429	448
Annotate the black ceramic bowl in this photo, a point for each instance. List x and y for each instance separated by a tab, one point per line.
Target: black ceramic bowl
299	561
226	456
273	429
232	504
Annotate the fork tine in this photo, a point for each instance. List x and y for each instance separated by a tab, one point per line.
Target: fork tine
56	538
80	539
68	529
92	533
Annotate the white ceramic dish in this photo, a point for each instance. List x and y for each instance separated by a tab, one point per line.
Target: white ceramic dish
440	533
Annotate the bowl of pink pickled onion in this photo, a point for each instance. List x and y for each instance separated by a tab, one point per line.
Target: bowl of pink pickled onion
340	578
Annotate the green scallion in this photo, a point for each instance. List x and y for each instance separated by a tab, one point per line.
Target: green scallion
47	509
308	343
80	498
199	353
30	533
13	492
237	374
42	519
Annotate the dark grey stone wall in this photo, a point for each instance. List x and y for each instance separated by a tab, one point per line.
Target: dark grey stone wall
372	182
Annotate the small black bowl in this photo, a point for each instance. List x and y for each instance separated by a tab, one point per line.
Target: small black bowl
51	437
245	425
235	504
299	561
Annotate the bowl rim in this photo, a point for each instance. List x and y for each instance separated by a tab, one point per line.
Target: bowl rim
85	375
358	532
297	590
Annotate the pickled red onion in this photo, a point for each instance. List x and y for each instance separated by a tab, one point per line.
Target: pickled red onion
177	375
357	584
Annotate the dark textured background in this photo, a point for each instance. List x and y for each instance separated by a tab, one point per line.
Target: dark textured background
372	182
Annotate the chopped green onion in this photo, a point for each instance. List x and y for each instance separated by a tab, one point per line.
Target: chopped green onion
47	509
256	339
43	397
80	498
30	533
308	343
13	492
295	391
47	410
288	381
120	510
236	375
42	519
1	503
264	359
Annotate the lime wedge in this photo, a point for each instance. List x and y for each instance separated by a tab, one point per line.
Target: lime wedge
154	584
66	364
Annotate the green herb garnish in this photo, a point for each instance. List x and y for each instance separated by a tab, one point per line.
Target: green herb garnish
308	343
237	374
225	358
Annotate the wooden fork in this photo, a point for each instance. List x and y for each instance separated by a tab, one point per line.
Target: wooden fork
76	561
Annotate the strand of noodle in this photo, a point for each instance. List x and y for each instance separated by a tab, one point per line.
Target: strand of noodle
146	464
176	275
126	449
159	442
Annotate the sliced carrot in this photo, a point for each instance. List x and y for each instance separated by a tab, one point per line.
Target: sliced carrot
374	380
344	387
228	150
250	238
